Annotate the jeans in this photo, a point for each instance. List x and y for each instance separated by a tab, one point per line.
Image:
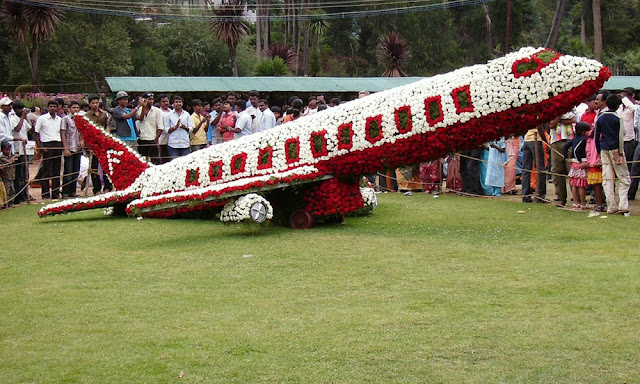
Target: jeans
177	152
70	174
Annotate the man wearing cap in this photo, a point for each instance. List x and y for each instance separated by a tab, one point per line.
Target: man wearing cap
149	122
5	122
125	128
49	142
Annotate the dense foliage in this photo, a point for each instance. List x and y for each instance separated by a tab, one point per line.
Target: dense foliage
85	47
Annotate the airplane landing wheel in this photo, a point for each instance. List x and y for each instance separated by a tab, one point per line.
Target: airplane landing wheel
258	212
300	219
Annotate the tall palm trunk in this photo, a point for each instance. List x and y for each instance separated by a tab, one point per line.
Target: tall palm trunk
552	39
597	30
266	31
487	17
258	28
583	21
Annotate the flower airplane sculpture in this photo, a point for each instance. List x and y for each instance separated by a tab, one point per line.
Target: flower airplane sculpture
309	168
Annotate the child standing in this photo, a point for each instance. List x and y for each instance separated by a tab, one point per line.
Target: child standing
579	165
8	170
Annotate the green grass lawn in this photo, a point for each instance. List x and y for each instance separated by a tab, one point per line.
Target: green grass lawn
455	290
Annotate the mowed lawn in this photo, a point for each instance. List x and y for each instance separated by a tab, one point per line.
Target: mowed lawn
451	290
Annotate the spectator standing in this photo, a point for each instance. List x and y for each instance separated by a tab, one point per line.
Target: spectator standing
254	111
610	145
594	172
268	119
213	136
7	165
150	121
177	124
579	165
627	113
243	122
533	151
49	142
21	127
33	116
100	118
6	131
561	132
72	151
227	122
162	137
198	137
494	179
122	115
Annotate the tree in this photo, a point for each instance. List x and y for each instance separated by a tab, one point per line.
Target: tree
271	67
393	53
89	47
552	40
597	30
230	28
31	25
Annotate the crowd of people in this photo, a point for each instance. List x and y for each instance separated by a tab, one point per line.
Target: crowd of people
593	148
589	147
156	126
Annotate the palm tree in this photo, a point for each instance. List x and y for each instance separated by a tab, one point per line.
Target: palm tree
393	53
230	28
283	51
30	26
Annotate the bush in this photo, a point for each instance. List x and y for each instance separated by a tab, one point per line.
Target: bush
271	67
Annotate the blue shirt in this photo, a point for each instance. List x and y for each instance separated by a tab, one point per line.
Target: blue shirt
608	132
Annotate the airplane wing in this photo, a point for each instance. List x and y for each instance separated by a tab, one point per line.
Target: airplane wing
217	195
84	203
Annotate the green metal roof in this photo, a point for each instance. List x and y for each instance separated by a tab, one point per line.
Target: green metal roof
262	84
620	82
289	84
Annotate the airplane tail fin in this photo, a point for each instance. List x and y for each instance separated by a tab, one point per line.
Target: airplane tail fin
122	163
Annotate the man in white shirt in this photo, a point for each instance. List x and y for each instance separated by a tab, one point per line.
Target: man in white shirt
49	142
268	119
627	113
21	127
178	125
243	123
254	111
6	132
150	120
162	137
